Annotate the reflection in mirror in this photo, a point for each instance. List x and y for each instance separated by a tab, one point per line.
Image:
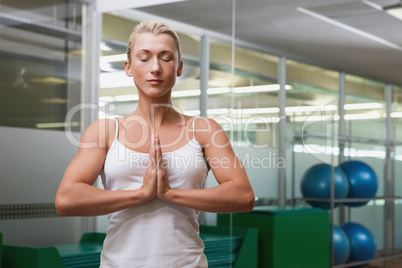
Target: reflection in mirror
40	64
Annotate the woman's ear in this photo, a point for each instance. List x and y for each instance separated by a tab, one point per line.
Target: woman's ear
127	68
180	68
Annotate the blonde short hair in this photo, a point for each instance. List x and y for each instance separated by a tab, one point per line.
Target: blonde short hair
152	27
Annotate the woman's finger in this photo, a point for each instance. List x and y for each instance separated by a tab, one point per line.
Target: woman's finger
158	152
152	155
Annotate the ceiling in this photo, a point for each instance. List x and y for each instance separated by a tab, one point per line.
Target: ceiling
343	35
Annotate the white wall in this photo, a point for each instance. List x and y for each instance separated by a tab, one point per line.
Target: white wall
32	164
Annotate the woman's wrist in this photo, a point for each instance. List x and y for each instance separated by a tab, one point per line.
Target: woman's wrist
146	194
169	195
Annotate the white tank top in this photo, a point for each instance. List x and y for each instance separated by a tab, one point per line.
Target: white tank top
157	233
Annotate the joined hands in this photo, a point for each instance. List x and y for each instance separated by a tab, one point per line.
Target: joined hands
156	183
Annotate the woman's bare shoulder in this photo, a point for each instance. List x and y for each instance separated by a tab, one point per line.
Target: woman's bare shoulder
102	131
206	129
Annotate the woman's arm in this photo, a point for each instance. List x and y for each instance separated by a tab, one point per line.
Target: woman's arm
77	196
234	192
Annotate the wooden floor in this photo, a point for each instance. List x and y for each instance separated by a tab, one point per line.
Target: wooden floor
394	263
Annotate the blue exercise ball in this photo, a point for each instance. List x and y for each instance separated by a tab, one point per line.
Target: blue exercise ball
362	243
362	181
341	246
316	183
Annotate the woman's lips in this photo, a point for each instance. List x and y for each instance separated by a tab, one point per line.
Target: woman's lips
155	81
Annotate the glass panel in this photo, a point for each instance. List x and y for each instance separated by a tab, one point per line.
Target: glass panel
312	109
396	115
365	113
371	216
118	95
248	112
186	92
40	63
398	222
365	117
365	108
312	98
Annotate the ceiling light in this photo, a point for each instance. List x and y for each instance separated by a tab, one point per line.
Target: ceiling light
393	9
262	88
311	108
370	153
54	100
248	121
114	80
396	114
218	90
106	98
373	5
315	118
260	120
360	106
318	118
192	112
274	110
113	58
186	93
107	67
49	80
218	111
57	124
396	12
362	116
319	149
103	46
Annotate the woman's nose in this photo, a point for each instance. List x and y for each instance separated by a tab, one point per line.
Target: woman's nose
155	66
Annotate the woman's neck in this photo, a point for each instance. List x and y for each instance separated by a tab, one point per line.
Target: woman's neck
156	114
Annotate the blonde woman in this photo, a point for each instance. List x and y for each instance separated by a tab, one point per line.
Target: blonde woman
153	164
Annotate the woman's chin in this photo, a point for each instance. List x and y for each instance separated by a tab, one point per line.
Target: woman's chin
158	96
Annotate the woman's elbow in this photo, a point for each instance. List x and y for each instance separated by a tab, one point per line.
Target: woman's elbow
62	206
248	201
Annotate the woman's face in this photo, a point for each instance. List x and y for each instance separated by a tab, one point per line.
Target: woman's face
154	64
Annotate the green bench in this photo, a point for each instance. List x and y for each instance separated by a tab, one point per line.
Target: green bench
221	249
